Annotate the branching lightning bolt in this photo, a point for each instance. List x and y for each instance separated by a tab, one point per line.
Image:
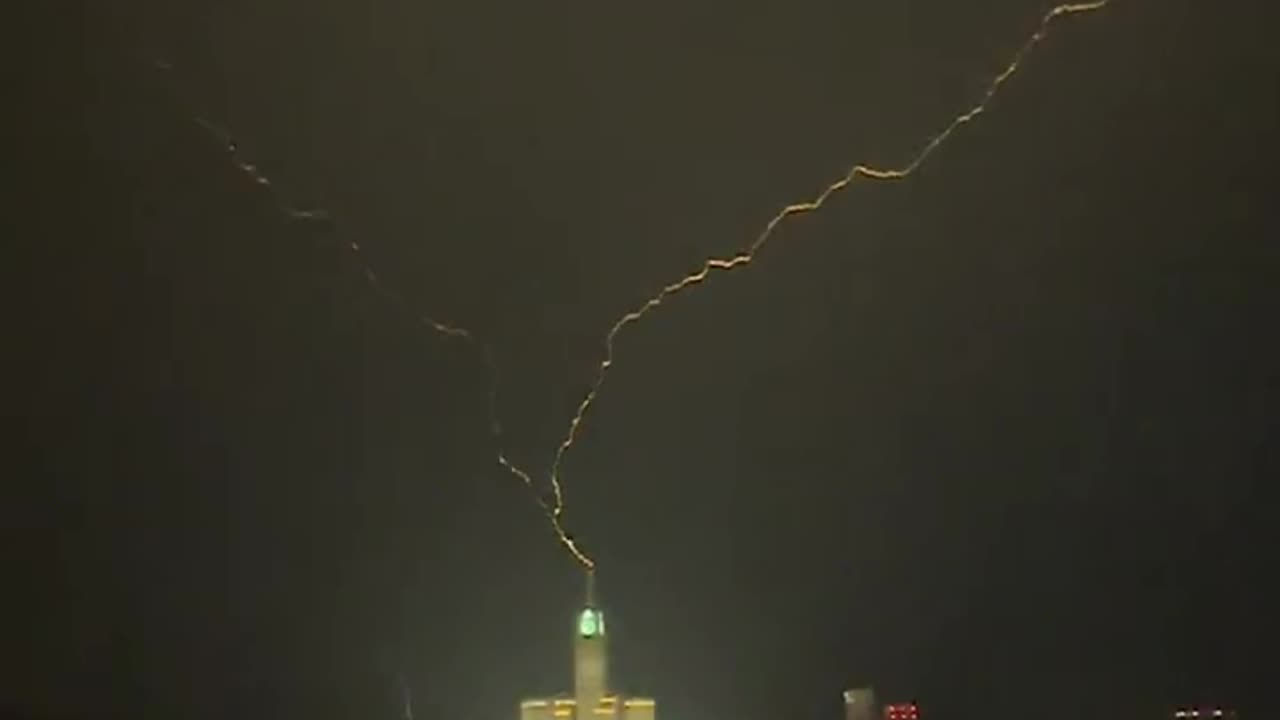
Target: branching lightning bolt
554	510
745	257
296	213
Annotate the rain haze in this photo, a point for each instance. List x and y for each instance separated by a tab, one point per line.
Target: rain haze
988	437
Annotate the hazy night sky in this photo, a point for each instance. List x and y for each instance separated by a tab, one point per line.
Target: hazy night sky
992	438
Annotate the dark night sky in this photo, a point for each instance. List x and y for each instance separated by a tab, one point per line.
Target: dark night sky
993	438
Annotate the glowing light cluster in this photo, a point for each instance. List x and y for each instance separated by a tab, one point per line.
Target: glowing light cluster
902	711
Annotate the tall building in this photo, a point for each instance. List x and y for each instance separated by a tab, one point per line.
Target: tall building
591	698
860	704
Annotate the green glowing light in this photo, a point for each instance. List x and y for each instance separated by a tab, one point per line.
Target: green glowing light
590	623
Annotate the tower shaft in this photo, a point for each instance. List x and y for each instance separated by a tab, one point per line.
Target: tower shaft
590	657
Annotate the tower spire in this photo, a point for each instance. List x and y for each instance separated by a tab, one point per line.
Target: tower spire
590	662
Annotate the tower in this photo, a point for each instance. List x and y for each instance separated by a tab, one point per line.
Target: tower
590	698
590	659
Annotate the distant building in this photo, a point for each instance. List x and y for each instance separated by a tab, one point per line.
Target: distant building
902	711
860	704
591	699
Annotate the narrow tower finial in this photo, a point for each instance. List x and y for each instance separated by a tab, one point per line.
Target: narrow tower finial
591	588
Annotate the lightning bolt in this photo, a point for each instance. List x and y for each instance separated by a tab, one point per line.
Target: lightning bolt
743	258
297	213
294	212
554	510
